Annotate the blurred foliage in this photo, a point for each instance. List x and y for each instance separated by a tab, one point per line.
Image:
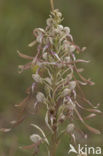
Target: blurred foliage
17	21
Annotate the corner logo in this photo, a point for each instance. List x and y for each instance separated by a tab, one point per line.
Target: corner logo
85	150
72	149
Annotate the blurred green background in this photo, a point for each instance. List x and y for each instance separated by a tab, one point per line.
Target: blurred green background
18	18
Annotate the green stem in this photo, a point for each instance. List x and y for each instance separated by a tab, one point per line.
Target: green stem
52	4
53	146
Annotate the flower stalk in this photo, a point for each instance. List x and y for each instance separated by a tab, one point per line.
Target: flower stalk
52	4
53	145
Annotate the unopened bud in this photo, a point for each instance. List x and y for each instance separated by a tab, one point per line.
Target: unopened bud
39	38
35	138
69	76
67	59
66	92
59	14
71	106
62	118
70	128
60	27
45	56
41	30
72	48
37	78
40	97
48	80
67	30
49	21
72	85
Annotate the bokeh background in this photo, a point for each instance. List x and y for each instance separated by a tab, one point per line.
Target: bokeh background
17	20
